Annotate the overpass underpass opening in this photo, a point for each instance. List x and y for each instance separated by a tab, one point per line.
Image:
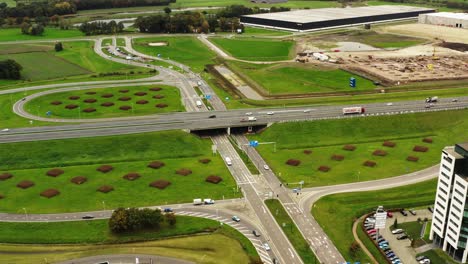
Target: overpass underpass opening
206	133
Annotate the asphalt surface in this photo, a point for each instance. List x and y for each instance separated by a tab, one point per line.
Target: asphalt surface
126	259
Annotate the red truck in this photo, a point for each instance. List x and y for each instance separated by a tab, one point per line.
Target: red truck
353	110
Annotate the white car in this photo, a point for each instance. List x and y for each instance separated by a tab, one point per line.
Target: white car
389	104
266	246
5	130
397	231
270	113
266	167
248	113
307	111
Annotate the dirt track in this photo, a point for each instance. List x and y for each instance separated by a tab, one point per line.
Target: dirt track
429	31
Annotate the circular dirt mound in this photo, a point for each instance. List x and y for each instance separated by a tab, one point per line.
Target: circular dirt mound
125	107
105	168
56	103
89	110
307	151
142	102
105	189
90	100
427	140
156	164
160	184
5	176
55	172
161	105
293	162
412	158
107	104
420	149
369	163
158	96
389	144
204	161
74	97
131	176
324	168
71	106
90	92
379	152
107	95
25	184
140	93
123	91
49	193
213	179
337	157
184	172
349	147
155	89
79	180
125	98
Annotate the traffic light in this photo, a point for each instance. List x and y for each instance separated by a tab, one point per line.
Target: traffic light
352	82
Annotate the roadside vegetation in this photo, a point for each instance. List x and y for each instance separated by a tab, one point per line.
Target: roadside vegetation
50	33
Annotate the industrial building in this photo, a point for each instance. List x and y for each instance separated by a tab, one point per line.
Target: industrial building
449	228
313	19
458	20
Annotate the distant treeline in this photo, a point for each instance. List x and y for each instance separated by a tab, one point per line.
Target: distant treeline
98	28
98	4
10	69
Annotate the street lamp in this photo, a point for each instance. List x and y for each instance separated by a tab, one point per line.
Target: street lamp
26	213
104	205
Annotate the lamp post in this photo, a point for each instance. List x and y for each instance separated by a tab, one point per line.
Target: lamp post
104	205
26	213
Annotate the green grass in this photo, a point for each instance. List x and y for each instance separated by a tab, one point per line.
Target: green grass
14	34
129	153
245	158
256	49
412	229
107	42
327	137
121	42
41	105
336	213
186	50
291	231
264	32
293	78
438	256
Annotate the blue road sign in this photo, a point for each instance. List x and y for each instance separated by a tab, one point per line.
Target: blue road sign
159	55
253	143
48	113
352	82
208	96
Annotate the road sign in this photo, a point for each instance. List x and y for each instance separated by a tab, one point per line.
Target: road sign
159	55
253	143
380	218
352	82
48	113
208	96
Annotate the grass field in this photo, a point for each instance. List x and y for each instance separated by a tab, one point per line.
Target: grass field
412	229
248	49
291	231
41	105
336	213
264	32
186	50
438	256
293	78
129	153
14	34
326	138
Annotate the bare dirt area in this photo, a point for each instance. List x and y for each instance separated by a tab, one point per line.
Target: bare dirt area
430	32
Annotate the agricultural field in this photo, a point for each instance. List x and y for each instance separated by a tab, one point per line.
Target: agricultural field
336	213
50	33
108	102
294	78
114	171
256	49
187	50
357	149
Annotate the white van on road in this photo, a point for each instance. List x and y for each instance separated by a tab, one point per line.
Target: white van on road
228	161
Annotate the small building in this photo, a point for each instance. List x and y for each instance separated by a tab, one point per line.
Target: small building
457	20
268	1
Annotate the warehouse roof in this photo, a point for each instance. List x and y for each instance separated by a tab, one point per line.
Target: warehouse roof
324	14
463	16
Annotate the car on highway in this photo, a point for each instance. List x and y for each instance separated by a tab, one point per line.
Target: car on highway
248	113
402	236
235	218
212	116
168	210
255	233
270	113
266	167
87	217
5	130
454	100
307	111
266	246
398	231
389	104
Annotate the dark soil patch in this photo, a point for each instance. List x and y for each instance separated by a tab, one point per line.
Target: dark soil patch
380	153
123	91
71	106
184	172
56	103
90	92
156	164
337	157
131	176
107	95
5	176
55	172
74	97
349	147
213	179
324	168
369	163
158	96
140	93
89	110
389	144
142	102
107	104
105	168
412	158
427	140
2	196
204	161
161	105
90	100
25	184
420	149
307	151
49	193
155	89
455	46
105	189
125	107
79	180
293	162
160	184
125	98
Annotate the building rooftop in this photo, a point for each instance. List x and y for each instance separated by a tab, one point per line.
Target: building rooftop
324	14
462	149
463	16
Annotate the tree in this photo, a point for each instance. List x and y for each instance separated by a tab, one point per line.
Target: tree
167	10
170	218
10	69
205	27
395	223
354	248
118	222
58	46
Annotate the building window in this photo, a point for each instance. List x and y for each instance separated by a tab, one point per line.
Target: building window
440	205
456	199
456	208
445	167
453	223
448	159
458	192
443	183
455	216
445	175
460	184
442	198
442	190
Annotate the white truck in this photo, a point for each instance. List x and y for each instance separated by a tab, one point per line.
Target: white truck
208	201
249	119
199	103
353	110
432	99
197	201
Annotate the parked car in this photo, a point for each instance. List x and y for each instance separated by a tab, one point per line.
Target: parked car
398	231
396	261
168	210
266	246
255	233
369	228
401	237
371	231
431	209
425	261
403	212
419	258
412	211
235	218
389	214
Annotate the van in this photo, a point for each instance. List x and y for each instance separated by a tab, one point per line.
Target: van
228	161
199	103
208	201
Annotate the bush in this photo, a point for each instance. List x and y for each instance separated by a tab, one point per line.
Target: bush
25	184
293	162
56	103
307	151
379	152
337	157
105	168
55	172
105	189
161	105
125	98
141	102
123	91
132	219
58	46
140	93
155	89
204	161
184	172
160	184
89	110
158	96
412	158
79	180
213	179
107	104
156	164
324	168
10	69
71	106
107	95
389	144
74	97
131	176
369	163
49	193
427	140
420	149
5	176
170	218
125	107
90	100
90	92
349	147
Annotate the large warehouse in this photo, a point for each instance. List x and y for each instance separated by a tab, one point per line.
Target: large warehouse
312	19
459	20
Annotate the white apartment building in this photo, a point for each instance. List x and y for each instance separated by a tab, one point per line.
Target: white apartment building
449	228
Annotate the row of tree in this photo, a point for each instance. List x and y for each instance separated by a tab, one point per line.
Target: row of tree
133	219
32	29
10	69
97	4
240	10
100	27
